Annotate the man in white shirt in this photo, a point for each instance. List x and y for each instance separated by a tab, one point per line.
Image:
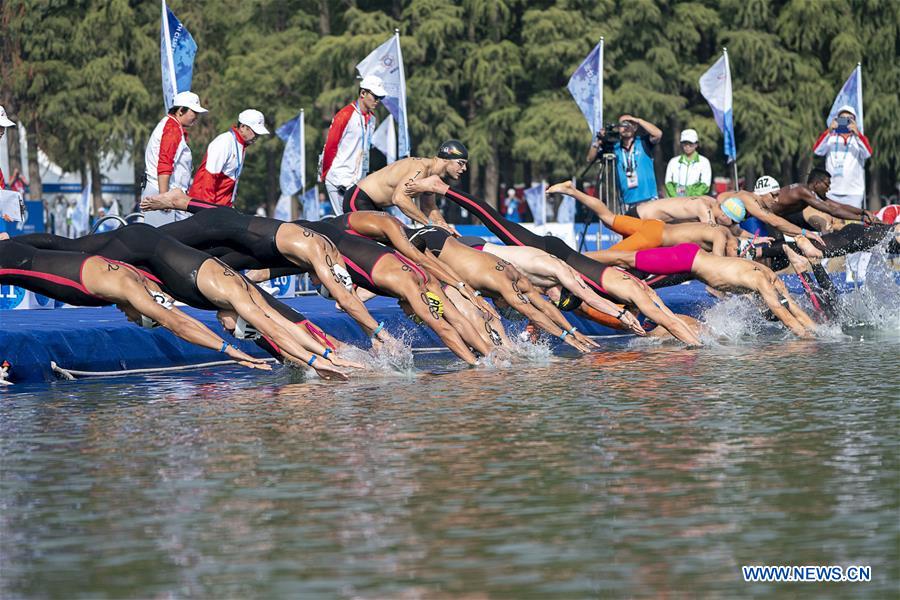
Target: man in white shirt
168	160
845	149
689	173
345	159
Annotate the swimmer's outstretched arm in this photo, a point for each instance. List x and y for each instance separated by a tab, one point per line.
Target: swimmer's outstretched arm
404	202
572	281
130	291
174	199
773	301
556	316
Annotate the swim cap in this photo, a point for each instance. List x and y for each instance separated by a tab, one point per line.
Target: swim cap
734	209
766	185
435	305
342	276
452	150
244	330
567	301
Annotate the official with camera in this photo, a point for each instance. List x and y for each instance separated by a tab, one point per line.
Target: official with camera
845	149
631	141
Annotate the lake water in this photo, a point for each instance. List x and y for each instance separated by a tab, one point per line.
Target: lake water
638	470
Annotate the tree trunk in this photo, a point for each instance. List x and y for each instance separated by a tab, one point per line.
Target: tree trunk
273	189
324	18
491	178
34	169
14	147
139	170
804	167
873	199
96	185
474	176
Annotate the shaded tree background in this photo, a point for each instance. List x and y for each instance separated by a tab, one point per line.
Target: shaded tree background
83	77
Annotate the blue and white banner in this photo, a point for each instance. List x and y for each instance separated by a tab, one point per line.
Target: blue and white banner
177	50
566	211
310	203
715	85
386	62
283	208
385	139
536	196
586	87
293	159
81	216
850	95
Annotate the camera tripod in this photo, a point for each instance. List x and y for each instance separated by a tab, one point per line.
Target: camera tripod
607	191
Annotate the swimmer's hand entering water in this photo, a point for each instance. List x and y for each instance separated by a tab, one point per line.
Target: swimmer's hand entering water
245	360
629	320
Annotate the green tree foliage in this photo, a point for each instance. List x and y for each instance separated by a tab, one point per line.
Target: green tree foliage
83	75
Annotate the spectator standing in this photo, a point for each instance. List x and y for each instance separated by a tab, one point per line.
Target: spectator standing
345	159
634	159
216	181
845	149
512	206
689	173
168	162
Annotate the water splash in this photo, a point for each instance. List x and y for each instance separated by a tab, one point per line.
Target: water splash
733	319
876	301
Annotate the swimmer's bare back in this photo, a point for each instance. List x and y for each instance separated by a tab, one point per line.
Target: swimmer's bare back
381	184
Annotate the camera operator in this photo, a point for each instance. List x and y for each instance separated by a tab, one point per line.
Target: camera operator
845	149
634	157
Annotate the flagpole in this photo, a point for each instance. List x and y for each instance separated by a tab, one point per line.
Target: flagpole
734	168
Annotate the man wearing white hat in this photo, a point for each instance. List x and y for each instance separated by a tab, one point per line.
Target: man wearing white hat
167	161
216	181
345	159
689	173
4	123
845	149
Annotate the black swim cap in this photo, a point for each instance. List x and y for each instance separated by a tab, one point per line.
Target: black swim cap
568	301
452	150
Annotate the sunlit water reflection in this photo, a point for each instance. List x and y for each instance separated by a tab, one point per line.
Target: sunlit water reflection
635	470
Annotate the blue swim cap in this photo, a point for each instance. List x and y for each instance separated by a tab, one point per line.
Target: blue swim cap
734	209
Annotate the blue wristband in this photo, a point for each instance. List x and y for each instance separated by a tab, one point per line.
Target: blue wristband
312	360
378	329
802	232
573	329
564	334
224	346
326	353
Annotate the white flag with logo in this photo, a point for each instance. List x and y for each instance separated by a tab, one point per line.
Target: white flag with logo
385	139
386	62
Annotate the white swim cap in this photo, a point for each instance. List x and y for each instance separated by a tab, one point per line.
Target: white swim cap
766	185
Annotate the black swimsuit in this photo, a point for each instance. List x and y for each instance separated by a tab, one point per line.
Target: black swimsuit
356	200
428	238
51	273
513	234
226	227
174	264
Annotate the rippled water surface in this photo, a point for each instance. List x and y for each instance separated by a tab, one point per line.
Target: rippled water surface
634	471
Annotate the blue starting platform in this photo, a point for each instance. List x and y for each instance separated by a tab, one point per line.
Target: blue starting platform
102	340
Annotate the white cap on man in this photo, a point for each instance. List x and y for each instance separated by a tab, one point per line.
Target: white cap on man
253	119
766	185
188	100
374	84
847	108
4	120
690	135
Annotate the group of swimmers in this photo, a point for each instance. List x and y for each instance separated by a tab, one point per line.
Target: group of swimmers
215	260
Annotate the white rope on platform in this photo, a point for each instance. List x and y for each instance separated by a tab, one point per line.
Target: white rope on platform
71	374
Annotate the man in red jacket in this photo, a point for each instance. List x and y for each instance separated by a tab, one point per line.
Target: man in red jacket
345	159
216	181
167	160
